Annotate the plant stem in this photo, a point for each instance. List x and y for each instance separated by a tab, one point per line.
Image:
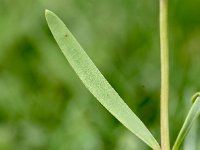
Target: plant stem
165	144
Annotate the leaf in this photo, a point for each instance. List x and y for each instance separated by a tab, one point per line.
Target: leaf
95	81
191	117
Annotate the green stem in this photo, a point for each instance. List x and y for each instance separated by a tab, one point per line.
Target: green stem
165	144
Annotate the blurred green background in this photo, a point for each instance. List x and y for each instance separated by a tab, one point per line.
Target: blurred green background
43	104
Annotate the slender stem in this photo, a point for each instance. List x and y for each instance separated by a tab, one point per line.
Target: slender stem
165	144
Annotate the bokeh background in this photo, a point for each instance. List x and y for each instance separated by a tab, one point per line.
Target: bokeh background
43	104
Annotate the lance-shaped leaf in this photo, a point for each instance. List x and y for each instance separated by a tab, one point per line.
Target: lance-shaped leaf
95	81
191	117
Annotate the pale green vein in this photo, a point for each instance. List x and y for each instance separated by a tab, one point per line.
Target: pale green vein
191	117
95	81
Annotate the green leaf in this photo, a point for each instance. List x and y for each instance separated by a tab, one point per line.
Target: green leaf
95	81
191	117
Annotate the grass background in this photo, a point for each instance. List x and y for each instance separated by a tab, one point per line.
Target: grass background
43	105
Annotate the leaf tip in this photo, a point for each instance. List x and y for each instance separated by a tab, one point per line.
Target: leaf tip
195	96
46	12
49	13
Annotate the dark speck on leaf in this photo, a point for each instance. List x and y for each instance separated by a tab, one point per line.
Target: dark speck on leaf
65	35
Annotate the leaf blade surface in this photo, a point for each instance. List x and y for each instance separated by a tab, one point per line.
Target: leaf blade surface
95	81
187	125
